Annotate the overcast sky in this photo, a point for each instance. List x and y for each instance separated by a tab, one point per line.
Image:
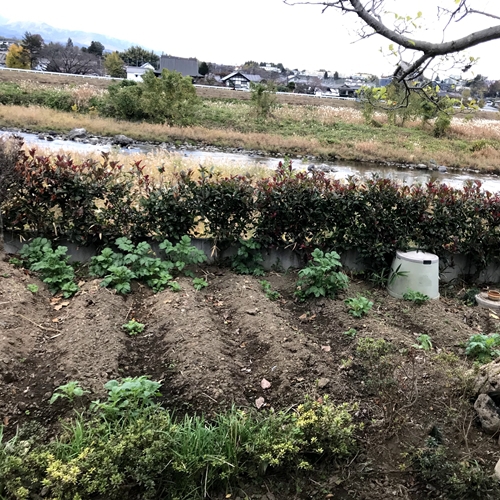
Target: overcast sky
234	31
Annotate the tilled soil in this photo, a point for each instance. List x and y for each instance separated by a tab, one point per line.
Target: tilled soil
213	348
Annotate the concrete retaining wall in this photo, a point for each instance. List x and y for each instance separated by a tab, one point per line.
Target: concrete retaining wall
452	267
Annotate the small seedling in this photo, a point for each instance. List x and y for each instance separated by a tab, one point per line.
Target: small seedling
32	288
133	327
270	293
424	342
174	286
416	297
200	283
351	332
358	306
16	262
69	391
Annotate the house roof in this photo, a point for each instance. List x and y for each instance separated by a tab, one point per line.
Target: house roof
185	66
250	78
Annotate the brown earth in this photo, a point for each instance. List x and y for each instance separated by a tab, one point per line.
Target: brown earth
212	348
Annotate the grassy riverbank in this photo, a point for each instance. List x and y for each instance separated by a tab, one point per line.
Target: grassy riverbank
327	129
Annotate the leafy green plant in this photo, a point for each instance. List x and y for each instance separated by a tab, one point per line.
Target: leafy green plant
52	265
183	254
69	391
133	327
418	298
128	397
358	306
32	288
139	262
119	278
424	342
200	283
351	332
248	258
386	276
469	296
320	277
484	348
270	293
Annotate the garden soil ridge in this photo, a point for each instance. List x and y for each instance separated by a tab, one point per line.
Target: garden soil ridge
213	348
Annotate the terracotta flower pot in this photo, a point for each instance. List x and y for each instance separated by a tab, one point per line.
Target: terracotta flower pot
494	295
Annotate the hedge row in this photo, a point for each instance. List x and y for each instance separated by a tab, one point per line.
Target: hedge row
97	202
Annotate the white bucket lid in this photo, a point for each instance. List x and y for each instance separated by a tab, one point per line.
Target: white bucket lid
418	256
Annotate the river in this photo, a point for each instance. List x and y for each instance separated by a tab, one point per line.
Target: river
343	169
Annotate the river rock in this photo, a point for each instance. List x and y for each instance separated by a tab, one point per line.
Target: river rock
488	378
488	413
77	133
497	471
442	168
122	140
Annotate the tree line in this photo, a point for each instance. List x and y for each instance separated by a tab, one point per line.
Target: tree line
33	53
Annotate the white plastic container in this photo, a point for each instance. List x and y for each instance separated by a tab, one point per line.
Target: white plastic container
420	274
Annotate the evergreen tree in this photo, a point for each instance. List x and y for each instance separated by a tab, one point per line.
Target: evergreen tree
203	69
137	56
33	44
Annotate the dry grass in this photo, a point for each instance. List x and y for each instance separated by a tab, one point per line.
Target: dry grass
37	118
170	163
53	80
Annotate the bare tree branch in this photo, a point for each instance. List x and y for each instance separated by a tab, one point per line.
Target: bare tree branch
370	14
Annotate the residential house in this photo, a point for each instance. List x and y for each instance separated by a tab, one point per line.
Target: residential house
240	81
346	89
135	73
185	66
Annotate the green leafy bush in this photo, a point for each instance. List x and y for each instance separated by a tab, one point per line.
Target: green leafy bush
138	262
483	348
169	98
128	397
320	277
51	265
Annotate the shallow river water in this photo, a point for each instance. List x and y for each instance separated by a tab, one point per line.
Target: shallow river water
343	169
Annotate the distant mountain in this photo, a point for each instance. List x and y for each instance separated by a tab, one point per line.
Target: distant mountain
51	34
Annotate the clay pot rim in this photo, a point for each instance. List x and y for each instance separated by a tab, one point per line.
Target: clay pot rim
494	294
